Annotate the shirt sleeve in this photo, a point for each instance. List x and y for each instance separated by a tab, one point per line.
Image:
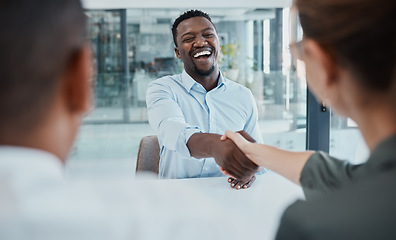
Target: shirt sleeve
167	119
323	174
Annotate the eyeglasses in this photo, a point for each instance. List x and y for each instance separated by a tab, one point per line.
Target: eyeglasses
296	35
296	46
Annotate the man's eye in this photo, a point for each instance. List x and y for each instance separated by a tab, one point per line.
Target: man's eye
209	35
188	39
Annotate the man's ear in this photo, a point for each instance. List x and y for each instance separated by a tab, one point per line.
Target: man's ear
177	52
78	81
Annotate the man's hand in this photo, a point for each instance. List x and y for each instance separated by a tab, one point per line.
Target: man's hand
225	152
246	136
231	158
237	183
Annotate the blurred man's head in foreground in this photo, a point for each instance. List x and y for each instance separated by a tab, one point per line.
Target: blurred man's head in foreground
44	67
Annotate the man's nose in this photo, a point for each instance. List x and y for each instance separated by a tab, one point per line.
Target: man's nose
200	41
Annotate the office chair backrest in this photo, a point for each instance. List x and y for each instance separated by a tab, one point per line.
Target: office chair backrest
148	154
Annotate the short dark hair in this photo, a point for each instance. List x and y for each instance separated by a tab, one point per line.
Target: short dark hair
37	42
187	15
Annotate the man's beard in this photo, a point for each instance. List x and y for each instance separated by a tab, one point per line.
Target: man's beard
204	73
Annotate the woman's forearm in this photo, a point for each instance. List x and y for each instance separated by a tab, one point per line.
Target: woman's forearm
286	163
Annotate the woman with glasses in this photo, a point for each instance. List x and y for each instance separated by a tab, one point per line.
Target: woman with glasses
349	51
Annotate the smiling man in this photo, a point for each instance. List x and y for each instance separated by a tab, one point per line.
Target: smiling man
191	110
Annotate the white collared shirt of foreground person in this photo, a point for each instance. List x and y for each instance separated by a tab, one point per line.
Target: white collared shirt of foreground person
38	202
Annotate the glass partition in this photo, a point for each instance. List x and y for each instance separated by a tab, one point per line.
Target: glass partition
104	28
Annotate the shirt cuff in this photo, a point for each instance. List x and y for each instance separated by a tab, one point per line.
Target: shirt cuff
186	134
262	171
176	140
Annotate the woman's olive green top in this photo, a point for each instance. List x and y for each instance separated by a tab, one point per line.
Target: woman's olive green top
345	201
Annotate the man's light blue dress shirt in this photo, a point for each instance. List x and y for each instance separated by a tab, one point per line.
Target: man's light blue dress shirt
178	107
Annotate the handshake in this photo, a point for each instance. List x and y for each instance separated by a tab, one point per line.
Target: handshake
234	163
232	160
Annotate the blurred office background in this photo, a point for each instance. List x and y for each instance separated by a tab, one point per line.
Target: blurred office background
133	46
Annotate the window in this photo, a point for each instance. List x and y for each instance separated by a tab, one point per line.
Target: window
344	132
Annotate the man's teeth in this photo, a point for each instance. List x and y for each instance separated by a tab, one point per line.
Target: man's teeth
202	53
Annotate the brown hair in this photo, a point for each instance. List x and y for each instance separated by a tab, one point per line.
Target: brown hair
360	34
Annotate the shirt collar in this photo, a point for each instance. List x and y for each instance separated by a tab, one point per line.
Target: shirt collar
383	156
30	161
188	82
222	81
